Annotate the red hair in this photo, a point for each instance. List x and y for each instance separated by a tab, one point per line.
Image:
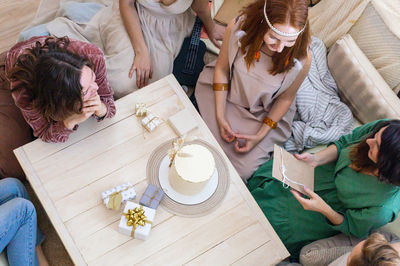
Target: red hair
293	12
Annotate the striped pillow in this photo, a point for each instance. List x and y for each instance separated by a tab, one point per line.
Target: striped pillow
361	87
380	41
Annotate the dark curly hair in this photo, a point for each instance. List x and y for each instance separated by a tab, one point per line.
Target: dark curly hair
388	164
51	75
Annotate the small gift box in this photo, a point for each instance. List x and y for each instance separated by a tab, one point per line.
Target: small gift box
141	109
150	122
152	196
182	122
114	197
136	221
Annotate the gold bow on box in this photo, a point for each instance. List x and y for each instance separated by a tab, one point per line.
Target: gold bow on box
136	217
148	120
141	109
119	194
114	201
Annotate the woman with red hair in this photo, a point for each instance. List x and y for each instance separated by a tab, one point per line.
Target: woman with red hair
247	96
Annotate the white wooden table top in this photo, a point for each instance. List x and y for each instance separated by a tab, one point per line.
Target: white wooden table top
69	178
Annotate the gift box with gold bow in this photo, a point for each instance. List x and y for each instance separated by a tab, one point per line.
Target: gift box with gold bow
136	221
114	197
150	122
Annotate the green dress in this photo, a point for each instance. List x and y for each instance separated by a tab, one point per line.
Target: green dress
365	202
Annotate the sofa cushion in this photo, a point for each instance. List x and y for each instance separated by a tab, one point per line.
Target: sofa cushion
360	85
331	19
379	39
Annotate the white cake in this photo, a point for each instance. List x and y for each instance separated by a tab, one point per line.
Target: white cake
191	169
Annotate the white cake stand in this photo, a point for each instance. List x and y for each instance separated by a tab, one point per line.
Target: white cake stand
200	197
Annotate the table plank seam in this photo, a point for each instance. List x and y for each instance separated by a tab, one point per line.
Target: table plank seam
116	247
219	243
93	158
251	251
184	236
80	140
228	210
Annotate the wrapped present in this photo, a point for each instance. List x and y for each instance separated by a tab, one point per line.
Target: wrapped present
150	122
152	196
136	221
120	194
182	122
141	109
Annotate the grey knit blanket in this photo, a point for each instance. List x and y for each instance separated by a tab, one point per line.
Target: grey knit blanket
320	117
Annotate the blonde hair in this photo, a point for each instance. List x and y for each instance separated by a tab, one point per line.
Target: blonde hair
376	251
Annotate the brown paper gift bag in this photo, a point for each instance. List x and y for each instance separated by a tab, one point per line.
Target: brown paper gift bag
297	172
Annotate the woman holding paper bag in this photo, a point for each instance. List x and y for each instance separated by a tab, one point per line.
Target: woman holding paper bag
247	97
356	188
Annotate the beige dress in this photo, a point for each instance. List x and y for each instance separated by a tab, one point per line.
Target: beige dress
250	98
163	27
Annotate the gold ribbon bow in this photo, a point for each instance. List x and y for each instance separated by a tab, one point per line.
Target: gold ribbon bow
135	218
177	145
141	109
115	199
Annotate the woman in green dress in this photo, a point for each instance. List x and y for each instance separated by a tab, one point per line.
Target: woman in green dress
356	188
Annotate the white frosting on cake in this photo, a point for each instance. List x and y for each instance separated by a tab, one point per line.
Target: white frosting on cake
191	169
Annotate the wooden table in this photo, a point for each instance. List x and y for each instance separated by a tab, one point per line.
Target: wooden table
68	178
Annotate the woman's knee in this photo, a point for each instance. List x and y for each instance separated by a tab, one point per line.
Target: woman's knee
25	207
12	188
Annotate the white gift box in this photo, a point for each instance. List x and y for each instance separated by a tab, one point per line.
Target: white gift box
182	122
150	122
127	192
141	232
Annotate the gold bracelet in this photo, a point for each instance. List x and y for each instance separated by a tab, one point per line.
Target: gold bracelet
271	123
220	87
